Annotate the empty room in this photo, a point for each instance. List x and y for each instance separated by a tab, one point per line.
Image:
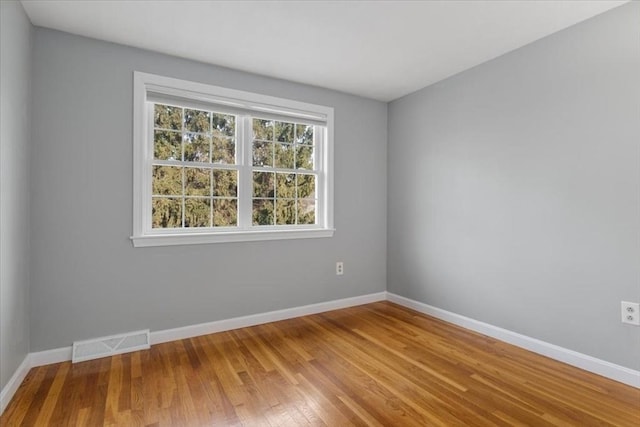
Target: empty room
327	213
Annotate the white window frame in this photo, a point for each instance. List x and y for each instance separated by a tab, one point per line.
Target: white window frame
147	86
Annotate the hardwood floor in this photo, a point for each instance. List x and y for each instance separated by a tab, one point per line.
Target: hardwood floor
374	365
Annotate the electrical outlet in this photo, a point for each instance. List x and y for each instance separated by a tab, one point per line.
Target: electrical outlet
339	268
631	313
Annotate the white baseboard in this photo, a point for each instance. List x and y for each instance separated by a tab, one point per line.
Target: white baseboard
47	357
14	382
588	363
32	360
158	337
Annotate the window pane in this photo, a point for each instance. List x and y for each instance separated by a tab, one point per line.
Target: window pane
306	186
167	180
285	211
263	184
196	148
283	132
197	212
224	150
197	121
262	153
284	156
197	182
223	125
225	212
167	145
285	185
166	213
304	134
304	157
225	183
167	117
263	212
263	129
306	211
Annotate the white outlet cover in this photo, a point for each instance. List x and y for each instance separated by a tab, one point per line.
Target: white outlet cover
630	312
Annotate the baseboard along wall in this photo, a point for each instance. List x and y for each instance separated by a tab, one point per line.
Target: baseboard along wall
588	363
14	382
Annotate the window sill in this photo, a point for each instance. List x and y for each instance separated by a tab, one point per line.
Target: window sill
226	237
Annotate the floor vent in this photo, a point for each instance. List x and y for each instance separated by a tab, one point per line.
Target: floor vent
109	346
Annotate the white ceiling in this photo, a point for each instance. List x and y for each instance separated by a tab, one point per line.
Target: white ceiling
377	49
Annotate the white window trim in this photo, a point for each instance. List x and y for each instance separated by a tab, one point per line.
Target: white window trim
143	235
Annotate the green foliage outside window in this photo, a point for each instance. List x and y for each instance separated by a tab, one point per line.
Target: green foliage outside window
281	198
185	196
192	187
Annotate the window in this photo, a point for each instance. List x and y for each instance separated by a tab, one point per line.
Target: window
217	165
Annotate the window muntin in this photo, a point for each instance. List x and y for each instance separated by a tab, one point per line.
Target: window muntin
227	168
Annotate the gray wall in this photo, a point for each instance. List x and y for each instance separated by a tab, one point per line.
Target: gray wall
15	120
514	189
89	281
